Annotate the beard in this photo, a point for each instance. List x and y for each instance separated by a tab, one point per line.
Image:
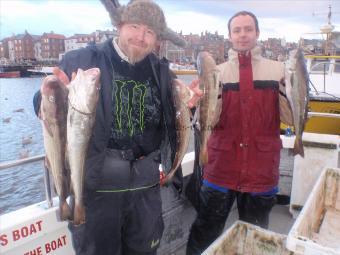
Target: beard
135	53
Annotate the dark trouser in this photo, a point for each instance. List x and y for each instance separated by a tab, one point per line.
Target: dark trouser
214	210
122	221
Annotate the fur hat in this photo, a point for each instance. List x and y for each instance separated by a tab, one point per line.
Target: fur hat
145	12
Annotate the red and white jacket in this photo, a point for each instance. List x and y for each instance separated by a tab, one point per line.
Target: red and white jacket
244	147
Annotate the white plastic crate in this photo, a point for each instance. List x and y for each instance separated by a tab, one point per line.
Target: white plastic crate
316	231
244	238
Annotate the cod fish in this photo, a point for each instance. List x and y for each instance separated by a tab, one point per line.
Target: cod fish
53	113
183	125
296	80
83	97
209	108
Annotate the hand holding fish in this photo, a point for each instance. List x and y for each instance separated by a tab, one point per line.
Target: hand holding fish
190	94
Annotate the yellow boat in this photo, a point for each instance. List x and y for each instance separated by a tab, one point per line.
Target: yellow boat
323	66
324	95
324	75
323	124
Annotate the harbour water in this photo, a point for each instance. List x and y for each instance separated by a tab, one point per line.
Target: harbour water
22	136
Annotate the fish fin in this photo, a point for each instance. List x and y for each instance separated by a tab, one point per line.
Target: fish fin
65	210
79	214
298	147
48	128
47	163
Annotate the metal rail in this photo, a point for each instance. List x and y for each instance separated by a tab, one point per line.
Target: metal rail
20	162
323	114
48	193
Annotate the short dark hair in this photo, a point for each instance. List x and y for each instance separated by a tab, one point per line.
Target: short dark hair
244	13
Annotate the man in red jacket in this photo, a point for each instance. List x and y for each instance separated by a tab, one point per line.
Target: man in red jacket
244	147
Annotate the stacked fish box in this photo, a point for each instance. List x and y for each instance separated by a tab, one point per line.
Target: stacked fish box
245	238
316	231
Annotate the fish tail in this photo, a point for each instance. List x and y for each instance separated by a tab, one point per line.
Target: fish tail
65	210
79	214
203	156
298	147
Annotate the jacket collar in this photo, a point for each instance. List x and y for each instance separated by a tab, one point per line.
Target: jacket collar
255	54
118	50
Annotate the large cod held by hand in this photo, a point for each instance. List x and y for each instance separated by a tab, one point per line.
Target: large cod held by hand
83	98
209	108
183	125
53	114
296	81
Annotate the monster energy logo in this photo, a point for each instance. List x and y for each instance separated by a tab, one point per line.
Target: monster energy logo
135	96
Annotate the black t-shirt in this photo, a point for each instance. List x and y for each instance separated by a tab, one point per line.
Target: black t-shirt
136	107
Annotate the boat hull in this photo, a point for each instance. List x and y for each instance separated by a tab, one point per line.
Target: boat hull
10	74
323	125
319	124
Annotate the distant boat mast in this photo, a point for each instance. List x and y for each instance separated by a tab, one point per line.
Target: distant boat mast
327	29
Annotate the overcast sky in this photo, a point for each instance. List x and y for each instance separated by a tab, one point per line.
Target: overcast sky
287	19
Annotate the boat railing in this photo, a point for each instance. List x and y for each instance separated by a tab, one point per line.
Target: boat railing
324	114
326	69
320	68
47	182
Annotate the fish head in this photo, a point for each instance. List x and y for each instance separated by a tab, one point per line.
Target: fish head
51	91
206	67
301	65
201	57
181	91
84	90
291	63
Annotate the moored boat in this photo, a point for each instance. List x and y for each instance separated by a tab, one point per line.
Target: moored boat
41	70
10	74
324	75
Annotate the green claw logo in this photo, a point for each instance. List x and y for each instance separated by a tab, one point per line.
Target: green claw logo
136	95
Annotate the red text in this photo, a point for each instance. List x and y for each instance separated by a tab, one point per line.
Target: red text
36	251
26	231
55	244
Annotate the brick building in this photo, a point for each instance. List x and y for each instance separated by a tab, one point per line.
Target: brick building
20	47
213	43
4	52
52	45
